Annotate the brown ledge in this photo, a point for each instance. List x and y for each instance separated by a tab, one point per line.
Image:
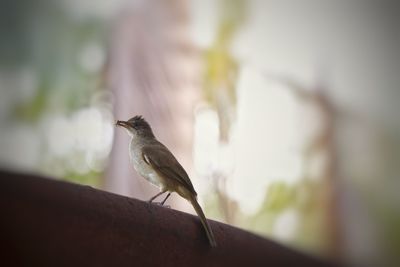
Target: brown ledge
51	223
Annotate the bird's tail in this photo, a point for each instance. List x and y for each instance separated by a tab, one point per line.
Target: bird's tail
203	220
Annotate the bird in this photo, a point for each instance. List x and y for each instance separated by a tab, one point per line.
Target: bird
155	162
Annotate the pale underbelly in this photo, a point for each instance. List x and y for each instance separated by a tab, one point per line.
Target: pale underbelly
154	179
148	173
144	169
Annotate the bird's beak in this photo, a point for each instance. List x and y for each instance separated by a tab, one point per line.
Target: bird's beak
122	124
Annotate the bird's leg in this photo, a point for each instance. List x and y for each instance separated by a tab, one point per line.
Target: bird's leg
154	197
165	199
162	202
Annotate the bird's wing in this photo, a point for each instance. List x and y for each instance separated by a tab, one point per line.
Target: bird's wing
166	165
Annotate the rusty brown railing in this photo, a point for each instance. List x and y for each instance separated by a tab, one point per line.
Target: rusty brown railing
46	222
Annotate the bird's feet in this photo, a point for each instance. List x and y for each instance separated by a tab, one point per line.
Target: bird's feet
159	204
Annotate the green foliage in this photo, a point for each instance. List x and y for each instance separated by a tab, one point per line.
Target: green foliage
279	197
221	67
388	215
91	178
31	111
219	81
302	197
53	43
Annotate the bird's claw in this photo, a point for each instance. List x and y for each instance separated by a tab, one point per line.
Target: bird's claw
159	204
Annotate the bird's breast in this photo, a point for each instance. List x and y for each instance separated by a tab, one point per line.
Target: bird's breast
143	168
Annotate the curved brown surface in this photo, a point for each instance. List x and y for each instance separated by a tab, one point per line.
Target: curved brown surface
51	223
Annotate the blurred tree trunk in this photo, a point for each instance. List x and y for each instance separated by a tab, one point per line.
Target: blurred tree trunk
152	71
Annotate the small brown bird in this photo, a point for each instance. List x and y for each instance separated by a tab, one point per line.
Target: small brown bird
152	160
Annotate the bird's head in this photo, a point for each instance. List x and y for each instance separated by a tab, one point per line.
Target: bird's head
137	126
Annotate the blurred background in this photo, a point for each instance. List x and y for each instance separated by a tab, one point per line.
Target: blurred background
284	113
